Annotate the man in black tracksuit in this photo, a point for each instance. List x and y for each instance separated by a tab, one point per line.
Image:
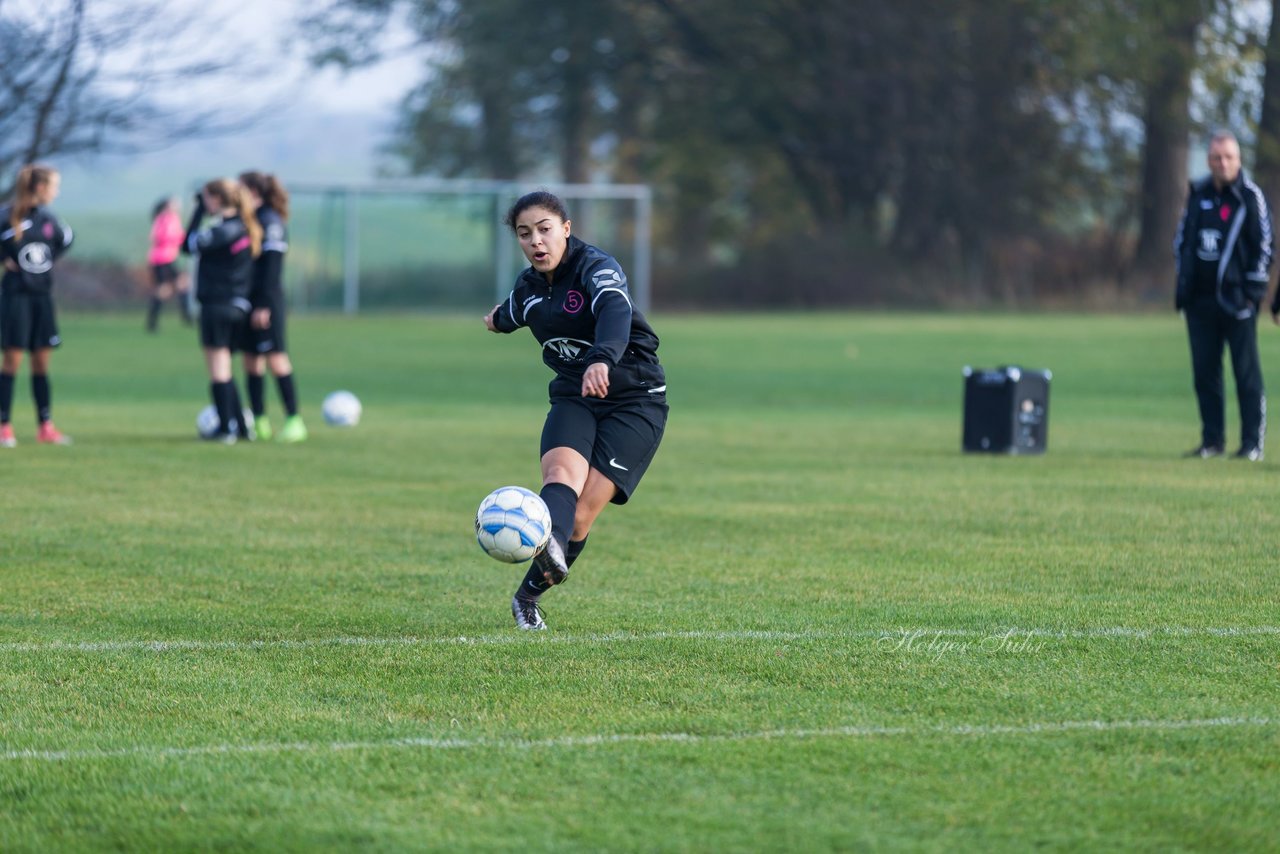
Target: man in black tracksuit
1224	247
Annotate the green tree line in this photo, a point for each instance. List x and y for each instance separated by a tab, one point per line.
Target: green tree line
802	153
847	151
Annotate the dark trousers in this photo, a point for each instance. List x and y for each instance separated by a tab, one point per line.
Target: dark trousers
1209	328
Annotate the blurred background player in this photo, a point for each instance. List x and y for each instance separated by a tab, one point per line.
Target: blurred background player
265	343
608	396
167	234
33	239
227	245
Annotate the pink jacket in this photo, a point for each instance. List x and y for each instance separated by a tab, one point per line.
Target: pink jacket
167	235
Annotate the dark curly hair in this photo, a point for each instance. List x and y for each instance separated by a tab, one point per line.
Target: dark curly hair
536	199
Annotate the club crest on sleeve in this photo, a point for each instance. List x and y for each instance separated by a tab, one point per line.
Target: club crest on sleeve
606	278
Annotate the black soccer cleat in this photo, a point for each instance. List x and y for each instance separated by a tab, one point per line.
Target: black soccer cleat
1253	454
551	562
527	614
1204	452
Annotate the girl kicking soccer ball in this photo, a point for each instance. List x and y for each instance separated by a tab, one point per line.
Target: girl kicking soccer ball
608	396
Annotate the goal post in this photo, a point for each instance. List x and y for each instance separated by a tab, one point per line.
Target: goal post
439	243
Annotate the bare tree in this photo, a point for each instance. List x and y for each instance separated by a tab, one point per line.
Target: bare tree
1267	168
1168	128
109	75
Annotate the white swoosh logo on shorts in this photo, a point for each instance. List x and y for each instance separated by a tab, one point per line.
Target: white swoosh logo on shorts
613	461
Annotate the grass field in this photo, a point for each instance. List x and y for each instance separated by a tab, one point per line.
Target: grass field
817	626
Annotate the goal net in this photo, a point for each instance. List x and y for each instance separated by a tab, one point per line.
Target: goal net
441	244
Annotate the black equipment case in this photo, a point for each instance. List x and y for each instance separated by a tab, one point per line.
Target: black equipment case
1006	411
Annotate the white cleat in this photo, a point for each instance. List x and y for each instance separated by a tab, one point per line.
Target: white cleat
527	613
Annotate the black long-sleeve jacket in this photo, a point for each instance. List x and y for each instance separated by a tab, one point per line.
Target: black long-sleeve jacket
44	239
225	272
268	270
584	315
1245	264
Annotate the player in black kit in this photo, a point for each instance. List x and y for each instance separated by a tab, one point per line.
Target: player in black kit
608	396
32	238
265	344
227	246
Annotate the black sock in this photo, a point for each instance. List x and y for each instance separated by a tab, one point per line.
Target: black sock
574	549
562	501
6	397
153	313
222	401
288	394
534	584
40	394
237	411
255	383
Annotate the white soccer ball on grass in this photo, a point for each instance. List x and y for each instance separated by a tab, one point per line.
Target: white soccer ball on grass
341	409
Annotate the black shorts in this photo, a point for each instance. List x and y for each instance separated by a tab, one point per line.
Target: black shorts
164	274
619	438
27	321
271	339
222	326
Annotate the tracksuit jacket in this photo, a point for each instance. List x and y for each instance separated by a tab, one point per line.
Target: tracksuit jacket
1245	265
225	274
44	239
584	315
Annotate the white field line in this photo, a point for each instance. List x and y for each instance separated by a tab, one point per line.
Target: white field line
604	740
513	637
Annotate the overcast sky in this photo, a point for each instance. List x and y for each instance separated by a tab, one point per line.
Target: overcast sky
323	125
269	29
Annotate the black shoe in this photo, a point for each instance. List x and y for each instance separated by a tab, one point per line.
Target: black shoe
550	561
1205	452
1252	454
527	613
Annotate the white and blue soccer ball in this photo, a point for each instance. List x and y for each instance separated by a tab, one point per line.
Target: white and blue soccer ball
512	524
207	421
341	409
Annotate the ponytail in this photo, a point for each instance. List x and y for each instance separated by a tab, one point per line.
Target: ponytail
270	190
249	216
30	179
232	194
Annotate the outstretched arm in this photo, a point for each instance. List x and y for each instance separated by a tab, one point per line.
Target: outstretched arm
197	214
502	318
